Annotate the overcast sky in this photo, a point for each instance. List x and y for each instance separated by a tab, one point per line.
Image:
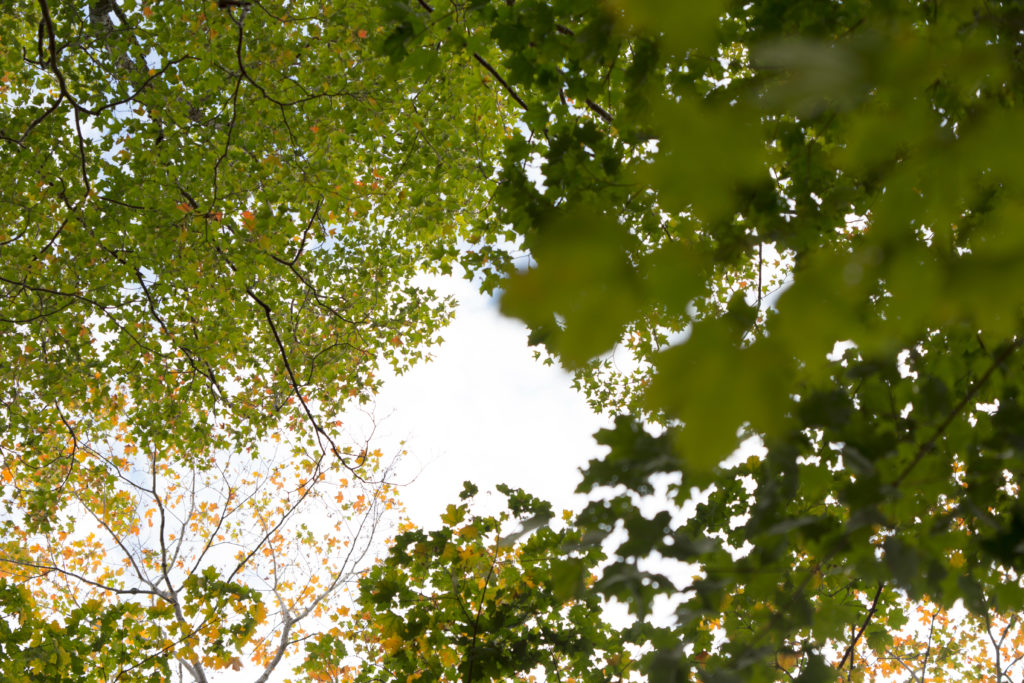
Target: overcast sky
486	411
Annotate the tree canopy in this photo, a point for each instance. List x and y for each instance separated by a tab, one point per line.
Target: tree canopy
861	157
212	212
779	241
211	217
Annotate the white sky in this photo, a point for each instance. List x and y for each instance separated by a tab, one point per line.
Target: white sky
486	411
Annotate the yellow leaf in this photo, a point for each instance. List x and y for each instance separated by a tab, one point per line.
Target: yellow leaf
391	644
448	657
786	660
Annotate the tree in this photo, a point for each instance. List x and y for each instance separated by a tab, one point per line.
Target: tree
169	265
694	157
212	212
154	568
939	645
487	597
211	216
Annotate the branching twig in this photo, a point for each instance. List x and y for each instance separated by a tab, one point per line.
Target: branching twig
479	609
321	433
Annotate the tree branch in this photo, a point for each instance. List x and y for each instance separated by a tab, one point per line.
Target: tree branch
599	110
317	428
928	445
479	610
508	88
867	620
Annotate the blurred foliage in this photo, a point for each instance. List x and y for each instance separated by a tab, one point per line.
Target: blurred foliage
713	195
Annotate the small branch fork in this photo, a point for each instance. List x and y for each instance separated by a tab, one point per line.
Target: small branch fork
1002	668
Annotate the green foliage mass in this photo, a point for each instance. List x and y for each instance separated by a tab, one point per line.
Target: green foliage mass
210	220
211	213
729	190
95	643
484	599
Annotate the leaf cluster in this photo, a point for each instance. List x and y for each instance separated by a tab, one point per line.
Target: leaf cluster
486	597
796	224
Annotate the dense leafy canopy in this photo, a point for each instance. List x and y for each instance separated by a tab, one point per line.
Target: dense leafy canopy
210	218
211	213
693	158
791	225
478	600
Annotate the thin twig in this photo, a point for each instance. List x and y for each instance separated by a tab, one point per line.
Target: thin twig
867	620
928	445
508	88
